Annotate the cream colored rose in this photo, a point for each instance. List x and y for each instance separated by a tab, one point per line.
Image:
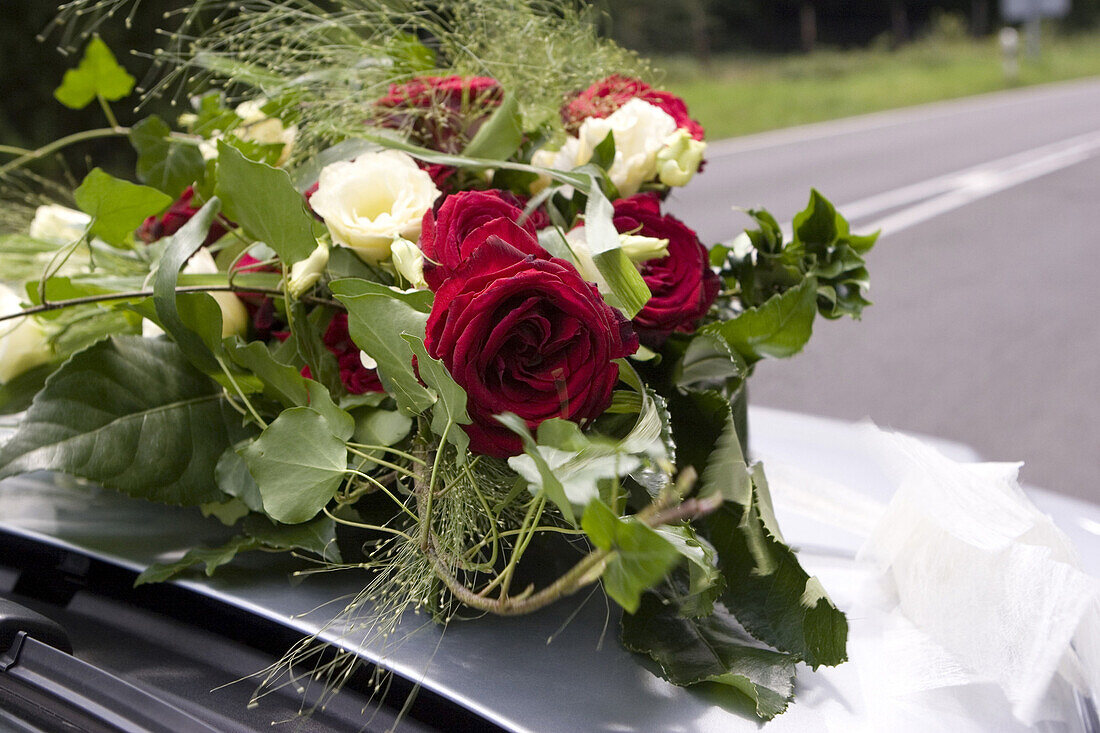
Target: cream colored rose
234	314
368	202
639	129
23	344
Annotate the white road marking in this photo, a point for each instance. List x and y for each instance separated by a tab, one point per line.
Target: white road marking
890	118
939	195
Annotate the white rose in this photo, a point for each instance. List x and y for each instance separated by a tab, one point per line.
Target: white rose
368	202
679	159
639	129
23	343
55	223
234	314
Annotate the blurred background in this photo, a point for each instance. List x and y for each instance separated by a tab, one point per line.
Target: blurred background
968	131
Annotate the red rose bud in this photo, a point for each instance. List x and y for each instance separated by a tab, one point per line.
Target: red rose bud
442	112
607	95
178	214
682	284
528	336
463	222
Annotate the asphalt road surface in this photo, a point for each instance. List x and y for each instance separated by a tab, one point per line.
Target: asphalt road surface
986	280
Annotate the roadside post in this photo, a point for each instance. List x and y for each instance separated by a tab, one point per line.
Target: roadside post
1031	13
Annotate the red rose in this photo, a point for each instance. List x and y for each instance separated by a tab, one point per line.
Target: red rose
528	336
355	377
442	112
178	214
607	95
682	283
463	222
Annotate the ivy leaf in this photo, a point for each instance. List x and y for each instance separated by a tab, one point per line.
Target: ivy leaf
779	328
629	292
297	463
211	557
339	421
640	557
265	203
317	536
377	316
451	407
816	224
500	135
233	478
129	414
163	163
712	648
282	382
765	586
98	74
117	207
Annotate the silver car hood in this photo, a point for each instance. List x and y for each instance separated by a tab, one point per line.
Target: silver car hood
559	669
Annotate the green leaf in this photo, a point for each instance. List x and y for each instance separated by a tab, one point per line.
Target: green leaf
98	74
339	421
450	411
704	582
211	557
816	224
179	248
377	318
129	414
779	328
543	476
317	536
17	393
765	586
163	163
628	289
712	648
117	207
501	134
233	478
707	361
698	419
265	203
640	557
282	382
298	465
375	426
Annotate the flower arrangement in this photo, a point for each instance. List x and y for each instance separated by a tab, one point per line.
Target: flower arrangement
408	287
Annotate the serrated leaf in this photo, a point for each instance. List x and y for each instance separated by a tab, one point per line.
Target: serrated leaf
640	557
117	207
163	163
98	74
712	648
629	292
298	465
377	316
708	360
500	135
317	536
704	582
265	203
132	415
779	328
452	398
816	224
211	557
200	331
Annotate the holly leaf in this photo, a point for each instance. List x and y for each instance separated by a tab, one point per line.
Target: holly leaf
117	207
712	648
130	414
97	75
298	465
163	163
640	557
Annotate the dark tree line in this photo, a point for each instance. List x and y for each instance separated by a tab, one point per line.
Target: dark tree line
700	27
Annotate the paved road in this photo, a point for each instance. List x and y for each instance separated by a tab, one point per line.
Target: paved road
986	281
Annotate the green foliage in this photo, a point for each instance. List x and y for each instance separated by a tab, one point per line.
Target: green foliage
212	558
629	292
501	134
317	536
449	412
165	164
132	415
377	318
117	207
98	75
265	203
778	328
640	557
298	464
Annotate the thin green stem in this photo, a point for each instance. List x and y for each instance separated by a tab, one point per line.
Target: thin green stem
78	137
388	449
385	490
240	393
111	120
12	150
363	525
369	458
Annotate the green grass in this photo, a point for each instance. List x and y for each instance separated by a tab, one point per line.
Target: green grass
740	95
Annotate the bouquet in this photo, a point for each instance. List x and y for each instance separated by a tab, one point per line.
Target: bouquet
400	294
